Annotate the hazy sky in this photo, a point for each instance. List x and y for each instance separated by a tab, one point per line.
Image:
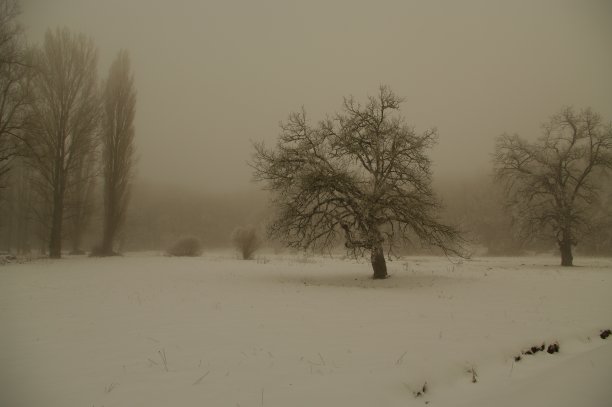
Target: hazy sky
213	75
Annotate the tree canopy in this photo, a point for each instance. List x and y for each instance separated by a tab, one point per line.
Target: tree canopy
362	175
551	183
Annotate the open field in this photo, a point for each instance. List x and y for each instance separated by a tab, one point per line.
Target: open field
148	330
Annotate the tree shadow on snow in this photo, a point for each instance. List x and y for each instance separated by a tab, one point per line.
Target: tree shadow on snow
398	280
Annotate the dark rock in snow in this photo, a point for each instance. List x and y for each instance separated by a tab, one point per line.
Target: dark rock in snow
605	334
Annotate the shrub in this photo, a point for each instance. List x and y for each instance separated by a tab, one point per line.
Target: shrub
246	241
186	247
97	251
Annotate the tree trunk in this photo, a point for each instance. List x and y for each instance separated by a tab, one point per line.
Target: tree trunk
108	236
77	237
107	244
378	263
565	247
55	239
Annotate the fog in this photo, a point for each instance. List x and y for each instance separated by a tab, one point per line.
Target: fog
213	76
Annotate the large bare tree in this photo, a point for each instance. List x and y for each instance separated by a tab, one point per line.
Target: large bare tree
65	111
363	175
119	103
14	75
550	183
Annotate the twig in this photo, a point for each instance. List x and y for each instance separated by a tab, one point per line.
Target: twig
162	354
110	387
201	378
472	370
400	359
419	393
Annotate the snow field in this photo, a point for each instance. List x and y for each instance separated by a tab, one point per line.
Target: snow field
294	331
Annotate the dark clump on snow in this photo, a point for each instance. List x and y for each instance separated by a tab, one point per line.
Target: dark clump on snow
535	349
604	334
553	348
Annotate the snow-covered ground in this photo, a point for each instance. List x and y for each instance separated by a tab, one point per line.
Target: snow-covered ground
147	330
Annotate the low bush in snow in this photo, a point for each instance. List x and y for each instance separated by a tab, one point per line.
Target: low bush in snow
246	241
186	247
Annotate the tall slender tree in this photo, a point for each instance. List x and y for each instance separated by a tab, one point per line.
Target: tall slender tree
80	198
65	113
119	109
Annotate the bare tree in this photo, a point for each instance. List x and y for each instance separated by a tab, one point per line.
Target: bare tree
14	75
65	111
363	174
119	102
16	229
246	241
80	195
549	183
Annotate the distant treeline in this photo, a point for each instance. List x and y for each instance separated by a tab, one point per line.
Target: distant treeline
159	215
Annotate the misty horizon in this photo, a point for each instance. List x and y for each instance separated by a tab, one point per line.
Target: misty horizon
213	77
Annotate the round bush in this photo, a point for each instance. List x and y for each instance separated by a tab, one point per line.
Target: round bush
246	241
186	247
